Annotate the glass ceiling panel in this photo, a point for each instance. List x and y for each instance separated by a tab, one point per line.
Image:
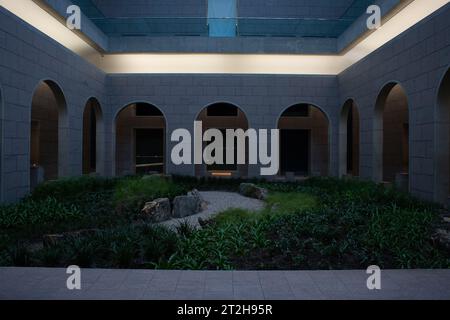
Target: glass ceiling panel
245	26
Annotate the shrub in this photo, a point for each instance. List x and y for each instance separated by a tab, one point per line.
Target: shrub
401	238
291	201
71	188
235	216
212	183
121	247
321	223
158	244
215	246
31	214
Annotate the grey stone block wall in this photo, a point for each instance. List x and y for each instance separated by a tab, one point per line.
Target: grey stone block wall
261	97
417	59
26	58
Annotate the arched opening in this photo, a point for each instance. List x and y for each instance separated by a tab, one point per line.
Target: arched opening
442	169
49	133
140	140
391	137
92	137
304	141
223	116
349	140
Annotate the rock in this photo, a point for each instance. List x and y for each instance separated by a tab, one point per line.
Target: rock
203	205
205	222
250	190
157	210
50	240
443	237
184	206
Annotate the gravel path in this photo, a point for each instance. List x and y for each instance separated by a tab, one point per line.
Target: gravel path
218	201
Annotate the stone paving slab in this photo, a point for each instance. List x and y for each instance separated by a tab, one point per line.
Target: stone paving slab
108	284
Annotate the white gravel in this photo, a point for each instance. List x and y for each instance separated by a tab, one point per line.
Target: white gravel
218	201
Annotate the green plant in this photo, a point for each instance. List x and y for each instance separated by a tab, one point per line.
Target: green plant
185	228
72	188
320	223
235	215
20	255
31	213
291	202
132	193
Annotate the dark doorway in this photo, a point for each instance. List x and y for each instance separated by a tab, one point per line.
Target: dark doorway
294	151
48	134
149	150
350	167
224	166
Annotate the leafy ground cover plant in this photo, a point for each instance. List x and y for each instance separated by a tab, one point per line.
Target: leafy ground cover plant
320	223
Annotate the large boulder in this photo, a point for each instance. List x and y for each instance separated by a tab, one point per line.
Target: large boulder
184	206
251	190
202	203
157	210
442	236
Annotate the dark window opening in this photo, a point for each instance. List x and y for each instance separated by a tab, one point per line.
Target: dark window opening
350	140
224	166
147	110
222	110
299	110
294	151
149	151
93	141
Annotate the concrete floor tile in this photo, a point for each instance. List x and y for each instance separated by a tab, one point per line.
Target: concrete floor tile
45	283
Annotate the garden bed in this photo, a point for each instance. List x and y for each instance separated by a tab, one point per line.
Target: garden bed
320	223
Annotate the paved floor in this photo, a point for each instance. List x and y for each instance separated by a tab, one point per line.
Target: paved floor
218	201
43	283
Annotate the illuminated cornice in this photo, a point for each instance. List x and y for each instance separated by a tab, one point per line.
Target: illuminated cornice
162	63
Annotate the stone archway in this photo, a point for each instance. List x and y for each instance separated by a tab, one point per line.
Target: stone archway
93	137
49	135
442	151
349	138
140	140
304	141
391	136
222	116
